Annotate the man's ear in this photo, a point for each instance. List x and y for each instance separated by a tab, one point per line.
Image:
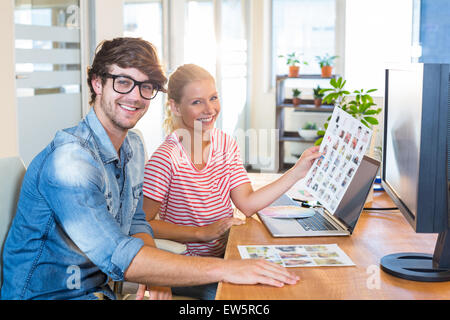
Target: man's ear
174	108
97	85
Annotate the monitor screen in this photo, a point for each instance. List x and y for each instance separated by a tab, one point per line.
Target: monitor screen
402	135
414	171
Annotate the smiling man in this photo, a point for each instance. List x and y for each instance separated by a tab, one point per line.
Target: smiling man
80	221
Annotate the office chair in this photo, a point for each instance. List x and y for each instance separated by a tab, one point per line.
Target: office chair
12	171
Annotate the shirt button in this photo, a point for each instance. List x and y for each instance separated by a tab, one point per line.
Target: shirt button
117	176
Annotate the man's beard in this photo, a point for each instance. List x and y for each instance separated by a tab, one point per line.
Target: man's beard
110	108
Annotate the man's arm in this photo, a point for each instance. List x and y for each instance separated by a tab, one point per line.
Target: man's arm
155	293
156	267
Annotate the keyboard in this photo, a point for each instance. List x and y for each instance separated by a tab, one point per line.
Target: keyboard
316	223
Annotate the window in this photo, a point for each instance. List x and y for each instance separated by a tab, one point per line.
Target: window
200	33
48	56
200	43
144	19
306	27
219	46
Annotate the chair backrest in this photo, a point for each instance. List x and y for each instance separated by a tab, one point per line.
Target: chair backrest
12	171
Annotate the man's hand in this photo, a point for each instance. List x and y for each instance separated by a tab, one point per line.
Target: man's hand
252	271
156	293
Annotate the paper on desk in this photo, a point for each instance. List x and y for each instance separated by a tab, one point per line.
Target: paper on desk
343	146
323	255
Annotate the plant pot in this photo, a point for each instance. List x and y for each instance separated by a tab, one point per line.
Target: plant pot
318	102
296	101
327	71
294	71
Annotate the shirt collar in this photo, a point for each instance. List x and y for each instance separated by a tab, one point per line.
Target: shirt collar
106	148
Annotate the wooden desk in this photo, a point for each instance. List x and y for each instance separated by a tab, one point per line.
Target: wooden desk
376	234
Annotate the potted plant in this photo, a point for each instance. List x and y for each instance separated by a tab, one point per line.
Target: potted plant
326	65
308	131
318	95
296	97
360	107
293	61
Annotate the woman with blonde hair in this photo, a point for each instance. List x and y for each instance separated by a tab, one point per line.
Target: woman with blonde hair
194	175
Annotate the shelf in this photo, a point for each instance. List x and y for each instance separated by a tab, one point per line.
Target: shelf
294	136
304	76
308	107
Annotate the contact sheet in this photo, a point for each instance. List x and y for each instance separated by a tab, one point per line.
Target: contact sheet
344	145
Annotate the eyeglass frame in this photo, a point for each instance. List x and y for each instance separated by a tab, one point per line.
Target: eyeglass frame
135	83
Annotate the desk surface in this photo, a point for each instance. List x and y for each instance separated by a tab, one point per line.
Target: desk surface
376	234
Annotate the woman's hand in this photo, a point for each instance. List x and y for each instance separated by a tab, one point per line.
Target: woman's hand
305	162
217	229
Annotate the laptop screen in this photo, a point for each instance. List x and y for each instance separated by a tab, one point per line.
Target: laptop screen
352	204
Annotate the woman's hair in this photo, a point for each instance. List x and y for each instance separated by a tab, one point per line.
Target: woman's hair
126	53
182	76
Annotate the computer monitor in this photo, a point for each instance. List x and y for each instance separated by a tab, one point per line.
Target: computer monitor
415	168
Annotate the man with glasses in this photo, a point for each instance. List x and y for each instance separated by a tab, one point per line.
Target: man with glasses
80	220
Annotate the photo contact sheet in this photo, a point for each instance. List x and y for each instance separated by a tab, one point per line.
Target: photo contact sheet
343	146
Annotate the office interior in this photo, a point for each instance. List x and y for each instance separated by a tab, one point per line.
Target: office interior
48	44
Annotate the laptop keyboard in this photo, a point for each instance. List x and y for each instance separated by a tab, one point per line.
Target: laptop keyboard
316	223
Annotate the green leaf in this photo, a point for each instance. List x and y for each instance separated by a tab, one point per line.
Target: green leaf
371	90
321	133
333	82
371	120
318	141
365	123
369	112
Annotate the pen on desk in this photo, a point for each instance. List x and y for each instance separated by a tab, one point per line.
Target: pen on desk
303	203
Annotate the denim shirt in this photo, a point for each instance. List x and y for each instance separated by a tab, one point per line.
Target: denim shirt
78	209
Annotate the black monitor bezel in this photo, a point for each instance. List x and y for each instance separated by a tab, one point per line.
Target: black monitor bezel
430	218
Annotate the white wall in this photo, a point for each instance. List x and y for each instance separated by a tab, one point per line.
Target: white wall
8	128
262	96
108	19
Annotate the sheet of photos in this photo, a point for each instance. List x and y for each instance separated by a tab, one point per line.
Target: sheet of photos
324	255
343	146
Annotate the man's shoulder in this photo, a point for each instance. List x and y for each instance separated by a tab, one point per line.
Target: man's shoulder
72	150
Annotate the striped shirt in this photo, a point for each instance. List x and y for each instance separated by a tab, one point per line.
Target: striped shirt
193	197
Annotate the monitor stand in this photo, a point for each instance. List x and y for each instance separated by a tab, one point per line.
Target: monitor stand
420	266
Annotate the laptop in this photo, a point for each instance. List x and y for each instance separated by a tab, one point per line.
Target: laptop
323	223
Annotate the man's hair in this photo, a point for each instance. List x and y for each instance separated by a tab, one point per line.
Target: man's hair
126	53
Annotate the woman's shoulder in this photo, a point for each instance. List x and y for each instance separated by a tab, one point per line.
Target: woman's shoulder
167	151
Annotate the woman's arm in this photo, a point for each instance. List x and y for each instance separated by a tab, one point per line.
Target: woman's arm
175	232
249	201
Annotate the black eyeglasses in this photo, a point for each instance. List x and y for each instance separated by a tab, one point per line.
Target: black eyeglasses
125	84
